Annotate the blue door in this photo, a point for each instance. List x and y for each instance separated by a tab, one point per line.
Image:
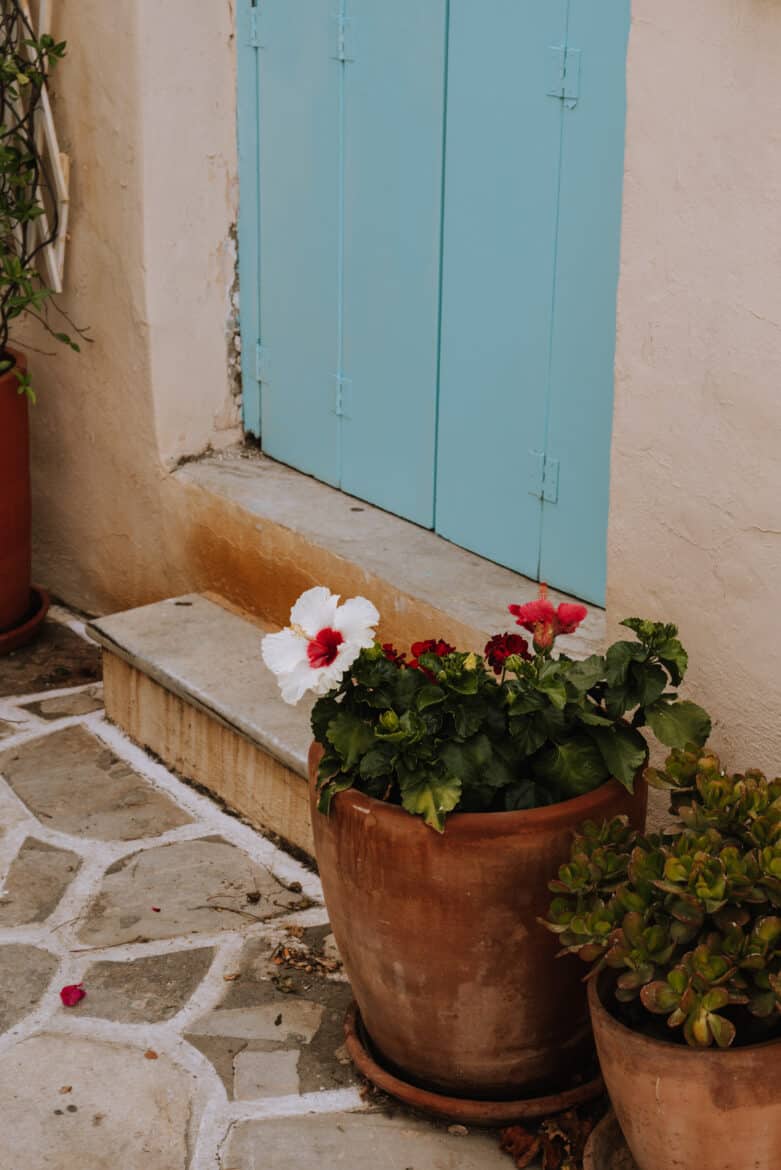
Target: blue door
430	216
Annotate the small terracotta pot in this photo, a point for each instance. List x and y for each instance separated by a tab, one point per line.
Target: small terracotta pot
15	506
686	1109
456	980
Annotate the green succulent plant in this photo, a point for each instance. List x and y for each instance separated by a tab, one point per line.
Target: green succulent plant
688	921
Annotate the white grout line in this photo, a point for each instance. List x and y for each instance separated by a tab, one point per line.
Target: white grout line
280	864
17	701
64	617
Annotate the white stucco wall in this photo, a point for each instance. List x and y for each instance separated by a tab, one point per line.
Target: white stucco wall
145	106
695	526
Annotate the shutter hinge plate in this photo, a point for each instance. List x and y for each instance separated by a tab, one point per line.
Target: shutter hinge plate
543	477
254	28
342	395
564	74
262	364
345	49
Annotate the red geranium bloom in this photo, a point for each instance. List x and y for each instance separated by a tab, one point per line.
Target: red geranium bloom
499	648
430	646
393	655
542	619
569	617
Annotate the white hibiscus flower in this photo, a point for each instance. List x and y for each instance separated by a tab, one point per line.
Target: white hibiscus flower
320	644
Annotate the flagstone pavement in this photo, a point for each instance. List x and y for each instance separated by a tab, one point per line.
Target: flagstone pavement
209	1036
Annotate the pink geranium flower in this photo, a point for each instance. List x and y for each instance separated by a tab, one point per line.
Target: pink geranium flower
545	621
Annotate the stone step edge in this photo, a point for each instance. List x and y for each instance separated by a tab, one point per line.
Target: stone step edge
282	748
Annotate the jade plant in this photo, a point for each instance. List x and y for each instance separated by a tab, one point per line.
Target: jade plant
437	729
687	922
25	63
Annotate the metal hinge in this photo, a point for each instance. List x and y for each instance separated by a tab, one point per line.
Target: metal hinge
344	38
254	27
262	364
342	390
564	74
543	477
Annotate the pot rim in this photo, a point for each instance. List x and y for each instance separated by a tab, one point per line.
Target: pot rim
20	363
564	812
599	1012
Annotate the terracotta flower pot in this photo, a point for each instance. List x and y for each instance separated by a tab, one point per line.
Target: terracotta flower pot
456	981
15	507
686	1109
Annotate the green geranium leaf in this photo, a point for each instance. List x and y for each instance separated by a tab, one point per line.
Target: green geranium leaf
430	797
323	712
618	658
623	750
573	767
677	723
648	682
672	655
330	789
350	737
377	762
428	696
586	674
529	733
475	763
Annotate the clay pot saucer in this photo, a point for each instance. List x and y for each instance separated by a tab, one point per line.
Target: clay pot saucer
458	1109
606	1148
20	635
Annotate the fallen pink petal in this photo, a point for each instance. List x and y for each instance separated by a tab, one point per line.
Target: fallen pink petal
72	994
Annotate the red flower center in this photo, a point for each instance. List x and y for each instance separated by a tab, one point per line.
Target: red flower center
324	647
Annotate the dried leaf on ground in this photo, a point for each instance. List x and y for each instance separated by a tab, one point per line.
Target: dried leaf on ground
557	1141
521	1145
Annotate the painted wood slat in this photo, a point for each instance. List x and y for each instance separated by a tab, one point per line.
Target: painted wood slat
249	225
574	530
502	160
393	130
299	86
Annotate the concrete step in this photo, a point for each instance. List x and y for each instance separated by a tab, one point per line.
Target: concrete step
264	533
185	679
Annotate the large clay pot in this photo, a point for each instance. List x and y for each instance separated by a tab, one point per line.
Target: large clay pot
456	980
15	507
682	1108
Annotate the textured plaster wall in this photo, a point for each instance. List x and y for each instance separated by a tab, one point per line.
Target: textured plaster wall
145	106
695	527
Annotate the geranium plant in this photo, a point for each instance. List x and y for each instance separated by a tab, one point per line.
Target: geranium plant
689	921
440	729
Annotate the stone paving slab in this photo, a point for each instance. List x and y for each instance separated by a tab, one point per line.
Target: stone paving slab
278	1016
357	1141
57	658
39	876
122	1112
77	785
188	887
25	973
79	703
145	990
